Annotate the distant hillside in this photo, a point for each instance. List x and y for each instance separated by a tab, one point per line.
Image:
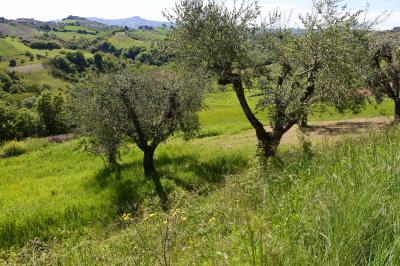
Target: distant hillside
133	22
14	28
79	21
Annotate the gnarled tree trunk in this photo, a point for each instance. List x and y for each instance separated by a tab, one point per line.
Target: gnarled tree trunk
268	142
150	172
269	145
397	111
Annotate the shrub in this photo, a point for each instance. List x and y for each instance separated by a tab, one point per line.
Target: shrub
7	115
29	102
12	63
28	53
13	148
15	89
50	107
26	124
39	56
6	81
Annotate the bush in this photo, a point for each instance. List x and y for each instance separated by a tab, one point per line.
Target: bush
15	89
13	149
6	81
18	123
29	103
12	63
26	124
7	117
50	107
28	53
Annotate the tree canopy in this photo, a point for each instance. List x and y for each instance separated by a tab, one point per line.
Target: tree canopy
322	63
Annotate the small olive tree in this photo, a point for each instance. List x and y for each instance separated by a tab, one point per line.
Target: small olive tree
144	107
292	70
385	54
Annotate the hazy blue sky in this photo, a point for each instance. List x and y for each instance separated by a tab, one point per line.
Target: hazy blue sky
151	9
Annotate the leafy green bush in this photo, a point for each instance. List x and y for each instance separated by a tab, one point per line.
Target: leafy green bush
13	149
18	123
7	115
12	63
51	110
26	124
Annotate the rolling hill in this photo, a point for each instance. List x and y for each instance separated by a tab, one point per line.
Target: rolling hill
133	22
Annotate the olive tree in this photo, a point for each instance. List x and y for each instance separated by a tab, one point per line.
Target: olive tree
143	107
292	70
386	71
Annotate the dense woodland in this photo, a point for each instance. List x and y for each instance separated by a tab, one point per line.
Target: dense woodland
169	144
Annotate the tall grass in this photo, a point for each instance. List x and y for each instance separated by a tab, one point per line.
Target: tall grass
57	188
58	191
331	205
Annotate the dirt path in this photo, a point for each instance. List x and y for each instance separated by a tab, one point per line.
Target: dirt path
317	132
27	68
333	130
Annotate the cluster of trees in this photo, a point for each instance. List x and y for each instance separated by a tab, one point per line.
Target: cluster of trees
145	27
105	47
11	82
153	57
45	117
44	45
66	66
328	63
71	63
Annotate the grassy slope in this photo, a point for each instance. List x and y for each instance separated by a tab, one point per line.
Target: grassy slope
57	186
335	206
13	48
121	40
139	38
17	29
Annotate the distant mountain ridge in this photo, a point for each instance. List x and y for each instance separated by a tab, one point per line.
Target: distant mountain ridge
133	22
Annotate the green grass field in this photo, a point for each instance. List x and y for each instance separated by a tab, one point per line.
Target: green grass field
336	205
70	199
122	40
14	49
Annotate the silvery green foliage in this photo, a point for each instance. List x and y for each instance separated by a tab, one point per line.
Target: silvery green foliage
211	35
385	80
325	62
145	107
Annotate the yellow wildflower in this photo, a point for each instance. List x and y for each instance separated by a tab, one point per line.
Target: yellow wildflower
150	215
212	220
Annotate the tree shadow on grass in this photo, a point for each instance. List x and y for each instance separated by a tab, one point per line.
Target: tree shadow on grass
127	193
191	173
129	186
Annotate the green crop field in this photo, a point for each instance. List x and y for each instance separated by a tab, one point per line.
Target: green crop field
122	40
